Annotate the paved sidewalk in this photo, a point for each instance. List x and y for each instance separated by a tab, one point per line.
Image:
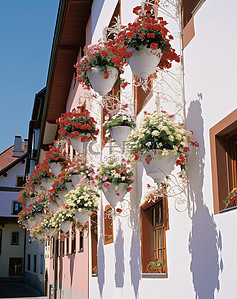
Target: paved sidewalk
19	290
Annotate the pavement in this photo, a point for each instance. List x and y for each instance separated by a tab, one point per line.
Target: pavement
19	290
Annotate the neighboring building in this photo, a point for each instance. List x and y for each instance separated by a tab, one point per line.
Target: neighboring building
197	246
35	252
12	237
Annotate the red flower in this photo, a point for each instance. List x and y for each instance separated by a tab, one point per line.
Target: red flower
154	46
186	149
118	210
117	193
84	138
148	160
106	76
129	188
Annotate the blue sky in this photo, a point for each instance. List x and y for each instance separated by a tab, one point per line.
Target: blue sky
26	35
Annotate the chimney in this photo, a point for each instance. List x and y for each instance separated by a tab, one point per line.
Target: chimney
25	145
17	151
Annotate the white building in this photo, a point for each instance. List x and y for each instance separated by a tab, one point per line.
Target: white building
195	236
12	237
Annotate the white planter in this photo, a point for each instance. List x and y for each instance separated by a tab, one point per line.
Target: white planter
56	168
79	146
120	134
46	184
110	193
82	216
38	189
53	206
38	217
76	179
69	186
159	166
65	226
32	221
98	82
144	62
61	196
50	232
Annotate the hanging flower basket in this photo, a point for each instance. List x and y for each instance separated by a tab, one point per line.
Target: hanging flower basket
159	166
120	134
148	42
56	168
65	226
101	66
82	216
115	193
78	145
98	82
144	61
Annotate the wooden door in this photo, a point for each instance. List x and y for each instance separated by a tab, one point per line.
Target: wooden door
15	266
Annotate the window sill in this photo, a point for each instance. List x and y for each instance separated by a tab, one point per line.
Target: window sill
228	209
94	275
154	275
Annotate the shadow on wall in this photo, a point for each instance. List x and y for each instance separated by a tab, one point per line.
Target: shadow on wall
72	262
205	242
96	14
119	258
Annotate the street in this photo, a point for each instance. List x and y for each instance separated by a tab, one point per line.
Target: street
18	290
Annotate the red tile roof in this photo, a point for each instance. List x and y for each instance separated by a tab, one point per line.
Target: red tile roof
6	156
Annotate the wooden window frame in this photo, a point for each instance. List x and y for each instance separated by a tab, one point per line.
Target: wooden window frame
147	246
223	163
108	237
94	241
19	240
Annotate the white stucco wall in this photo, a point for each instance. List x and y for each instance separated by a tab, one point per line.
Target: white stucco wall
200	250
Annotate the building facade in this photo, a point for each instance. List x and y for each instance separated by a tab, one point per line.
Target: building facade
191	232
12	237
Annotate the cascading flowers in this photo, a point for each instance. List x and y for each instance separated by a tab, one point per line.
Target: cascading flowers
77	122
102	55
158	131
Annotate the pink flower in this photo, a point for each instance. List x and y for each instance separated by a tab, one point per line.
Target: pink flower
107	184
83	180
104	178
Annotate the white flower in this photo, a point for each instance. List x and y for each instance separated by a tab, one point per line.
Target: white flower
155	133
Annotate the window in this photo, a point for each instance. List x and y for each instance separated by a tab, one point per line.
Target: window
73	240
0	241
223	142
67	244
189	8
15	238
108	226
154	223
19	181
81	242
34	263
41	264
17	207
94	243
28	262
